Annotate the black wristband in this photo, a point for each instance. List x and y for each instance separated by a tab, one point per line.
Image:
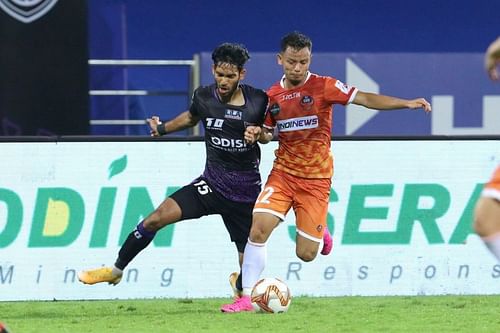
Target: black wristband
160	128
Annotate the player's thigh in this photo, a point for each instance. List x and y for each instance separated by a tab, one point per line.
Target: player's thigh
196	200
237	217
311	207
276	196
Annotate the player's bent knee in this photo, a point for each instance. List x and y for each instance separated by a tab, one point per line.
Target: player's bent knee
486	217
258	235
152	223
155	221
478	225
263	225
306	256
167	213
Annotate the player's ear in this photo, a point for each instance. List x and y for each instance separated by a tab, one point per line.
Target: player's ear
279	58
213	69
243	72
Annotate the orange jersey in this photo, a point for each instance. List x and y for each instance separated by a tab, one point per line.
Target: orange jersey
492	188
303	116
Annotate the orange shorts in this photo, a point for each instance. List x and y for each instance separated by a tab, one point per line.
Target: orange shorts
492	188
308	197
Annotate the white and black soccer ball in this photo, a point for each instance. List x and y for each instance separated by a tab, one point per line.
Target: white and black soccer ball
271	295
3	328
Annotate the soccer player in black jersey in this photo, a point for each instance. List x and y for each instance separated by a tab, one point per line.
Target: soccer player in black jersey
231	180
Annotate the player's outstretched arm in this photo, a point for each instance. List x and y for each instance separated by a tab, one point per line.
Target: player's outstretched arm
184	120
492	59
382	102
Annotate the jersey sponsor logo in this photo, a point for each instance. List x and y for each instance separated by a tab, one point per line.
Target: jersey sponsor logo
274	109
214	123
233	114
27	11
290	96
297	124
342	87
227	143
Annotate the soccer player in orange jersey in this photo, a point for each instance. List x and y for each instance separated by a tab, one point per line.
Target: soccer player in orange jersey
487	212
301	109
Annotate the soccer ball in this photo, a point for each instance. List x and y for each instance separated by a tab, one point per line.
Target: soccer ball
3	328
271	295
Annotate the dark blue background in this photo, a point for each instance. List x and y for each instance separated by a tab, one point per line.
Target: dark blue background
159	29
179	29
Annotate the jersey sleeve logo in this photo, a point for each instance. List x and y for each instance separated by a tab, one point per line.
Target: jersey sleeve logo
274	109
342	87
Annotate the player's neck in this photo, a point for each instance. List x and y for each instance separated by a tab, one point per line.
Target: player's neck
287	84
236	98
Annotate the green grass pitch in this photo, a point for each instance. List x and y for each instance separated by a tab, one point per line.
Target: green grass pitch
306	314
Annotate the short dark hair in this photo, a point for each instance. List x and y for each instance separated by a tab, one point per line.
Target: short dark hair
231	53
295	40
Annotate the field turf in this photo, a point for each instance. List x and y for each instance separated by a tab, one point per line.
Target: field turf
306	314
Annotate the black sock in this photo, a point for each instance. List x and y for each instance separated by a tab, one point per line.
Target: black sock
239	285
136	241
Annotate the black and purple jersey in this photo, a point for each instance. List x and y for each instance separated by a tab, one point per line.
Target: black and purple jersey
232	166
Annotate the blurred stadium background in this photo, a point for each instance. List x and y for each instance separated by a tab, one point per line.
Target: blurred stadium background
48	87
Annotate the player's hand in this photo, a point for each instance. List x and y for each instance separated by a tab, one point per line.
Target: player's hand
420	103
153	123
492	59
252	134
491	68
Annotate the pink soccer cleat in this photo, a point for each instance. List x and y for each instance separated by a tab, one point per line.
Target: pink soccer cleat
327	243
244	303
